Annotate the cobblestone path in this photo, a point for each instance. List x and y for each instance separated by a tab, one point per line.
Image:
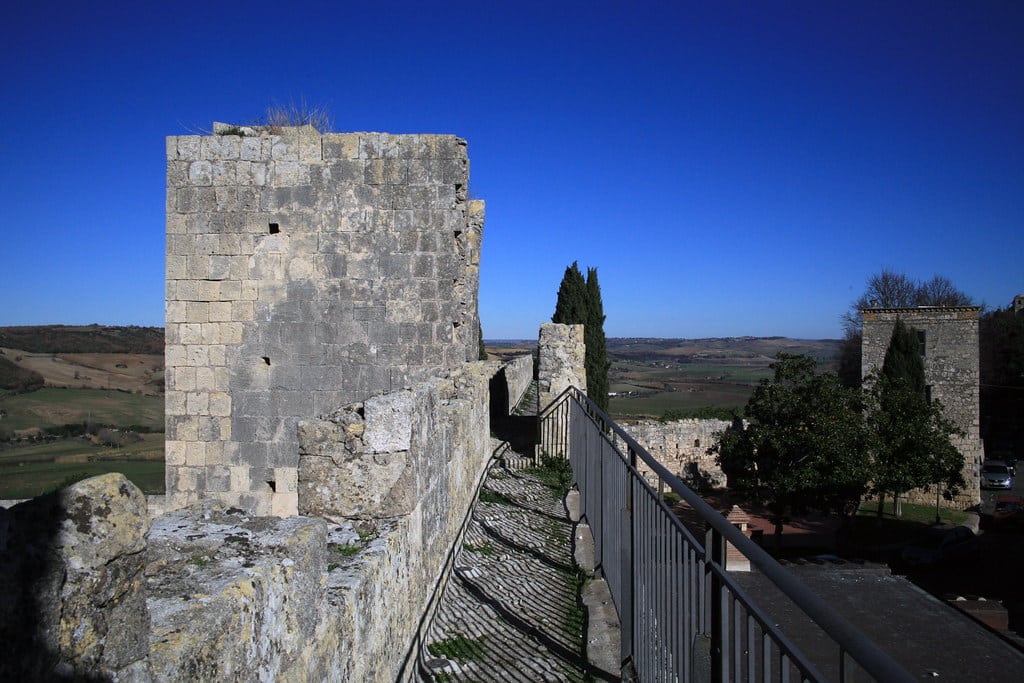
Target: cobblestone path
510	610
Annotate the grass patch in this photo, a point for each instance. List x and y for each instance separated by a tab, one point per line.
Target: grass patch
871	530
49	407
353	549
32	470
459	648
482	549
489	496
914	512
553	472
575	616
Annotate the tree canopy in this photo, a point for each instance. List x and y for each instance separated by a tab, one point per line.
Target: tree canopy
890	289
912	438
805	445
579	303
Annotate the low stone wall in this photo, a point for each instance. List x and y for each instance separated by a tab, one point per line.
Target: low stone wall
682	446
72	590
519	376
220	594
562	363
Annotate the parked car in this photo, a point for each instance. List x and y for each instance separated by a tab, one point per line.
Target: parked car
1009	512
996	474
941	545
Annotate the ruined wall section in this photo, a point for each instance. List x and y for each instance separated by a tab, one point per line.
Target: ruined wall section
682	446
304	272
950	369
561	364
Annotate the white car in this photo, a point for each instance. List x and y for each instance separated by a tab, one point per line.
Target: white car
996	474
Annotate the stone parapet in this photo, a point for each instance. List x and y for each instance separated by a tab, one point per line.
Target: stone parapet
562	361
519	376
682	447
72	590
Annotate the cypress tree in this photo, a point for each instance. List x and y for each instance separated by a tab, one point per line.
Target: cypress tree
597	344
903	364
571	306
579	303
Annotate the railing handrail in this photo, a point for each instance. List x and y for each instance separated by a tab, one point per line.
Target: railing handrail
869	656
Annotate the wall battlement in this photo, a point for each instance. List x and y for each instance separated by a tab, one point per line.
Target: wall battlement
305	272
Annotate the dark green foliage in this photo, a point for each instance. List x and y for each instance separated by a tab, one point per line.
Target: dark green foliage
482	353
912	438
571	307
903	358
17	379
1001	348
579	303
805	445
84	339
597	344
701	413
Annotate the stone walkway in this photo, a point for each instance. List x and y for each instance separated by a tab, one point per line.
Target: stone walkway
511	611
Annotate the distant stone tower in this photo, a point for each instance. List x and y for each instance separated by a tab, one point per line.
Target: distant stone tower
305	272
949	342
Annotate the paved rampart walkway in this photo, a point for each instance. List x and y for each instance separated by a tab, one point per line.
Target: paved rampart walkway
510	611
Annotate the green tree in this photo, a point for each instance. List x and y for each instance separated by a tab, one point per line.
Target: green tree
571	306
805	445
597	344
482	351
912	438
579	303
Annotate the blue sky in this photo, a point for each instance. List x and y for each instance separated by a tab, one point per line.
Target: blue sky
731	168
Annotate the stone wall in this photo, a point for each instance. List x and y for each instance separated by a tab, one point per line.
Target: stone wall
88	588
562	361
951	371
304	272
72	586
682	447
518	376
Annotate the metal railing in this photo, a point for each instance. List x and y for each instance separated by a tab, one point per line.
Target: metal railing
683	616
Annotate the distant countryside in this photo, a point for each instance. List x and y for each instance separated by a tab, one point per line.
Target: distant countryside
655	378
80	401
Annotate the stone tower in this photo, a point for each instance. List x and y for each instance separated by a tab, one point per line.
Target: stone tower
949	342
304	272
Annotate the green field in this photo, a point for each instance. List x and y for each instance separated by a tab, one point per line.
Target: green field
30	470
55	407
656	404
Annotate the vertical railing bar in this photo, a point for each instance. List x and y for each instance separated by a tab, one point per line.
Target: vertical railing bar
766	656
751	649
737	636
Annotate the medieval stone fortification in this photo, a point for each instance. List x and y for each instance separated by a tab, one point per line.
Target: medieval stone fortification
321	310
950	349
682	446
304	272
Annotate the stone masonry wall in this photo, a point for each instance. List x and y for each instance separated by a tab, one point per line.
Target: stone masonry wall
951	370
304	272
562	361
90	588
682	447
519	376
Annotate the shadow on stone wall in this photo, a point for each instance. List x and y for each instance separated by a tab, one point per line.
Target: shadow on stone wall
71	566
519	430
